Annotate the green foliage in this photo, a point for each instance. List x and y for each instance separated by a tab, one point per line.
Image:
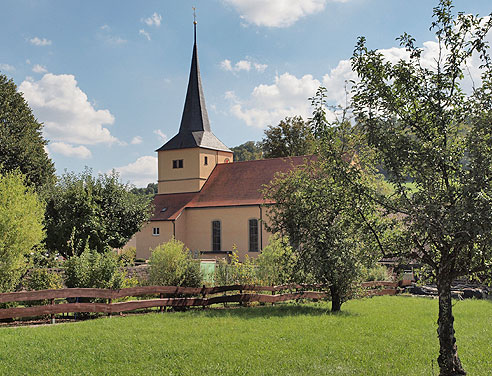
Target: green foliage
127	256
99	212
21	141
291	137
94	269
376	272
21	228
277	263
43	279
171	265
235	272
249	151
424	127
321	214
150	190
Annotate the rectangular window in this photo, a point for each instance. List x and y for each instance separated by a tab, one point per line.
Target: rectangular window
253	235
178	163
216	236
155	231
205	162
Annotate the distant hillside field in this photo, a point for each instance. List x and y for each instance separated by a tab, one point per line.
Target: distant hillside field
376	336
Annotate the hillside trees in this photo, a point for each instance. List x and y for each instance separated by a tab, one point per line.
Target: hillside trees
21	227
21	142
100	213
423	126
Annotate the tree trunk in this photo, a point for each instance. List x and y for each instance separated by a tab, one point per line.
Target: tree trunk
336	299
448	360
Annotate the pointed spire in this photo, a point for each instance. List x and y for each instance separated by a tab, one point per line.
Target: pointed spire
194	130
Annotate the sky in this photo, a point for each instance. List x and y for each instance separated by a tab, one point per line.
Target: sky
108	78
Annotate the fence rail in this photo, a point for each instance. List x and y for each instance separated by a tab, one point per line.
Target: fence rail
172	296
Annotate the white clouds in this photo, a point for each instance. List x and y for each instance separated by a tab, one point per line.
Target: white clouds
7	68
64	109
136	140
154	20
144	33
159	133
141	172
39	69
242	65
276	13
40	42
268	104
68	150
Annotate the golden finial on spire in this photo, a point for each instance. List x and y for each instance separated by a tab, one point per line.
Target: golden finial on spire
194	15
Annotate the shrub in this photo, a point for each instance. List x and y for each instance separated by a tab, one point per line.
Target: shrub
236	272
42	279
375	273
127	256
171	265
277	263
93	269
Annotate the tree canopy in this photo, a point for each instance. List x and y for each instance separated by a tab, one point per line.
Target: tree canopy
21	142
291	137
21	227
248	151
422	125
99	213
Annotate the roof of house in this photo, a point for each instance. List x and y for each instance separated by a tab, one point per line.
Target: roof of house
194	130
229	184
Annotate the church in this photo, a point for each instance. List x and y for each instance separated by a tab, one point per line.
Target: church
205	199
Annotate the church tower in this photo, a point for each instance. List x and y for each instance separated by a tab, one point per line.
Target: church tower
186	160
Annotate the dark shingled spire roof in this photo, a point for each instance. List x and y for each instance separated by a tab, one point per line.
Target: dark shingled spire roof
194	130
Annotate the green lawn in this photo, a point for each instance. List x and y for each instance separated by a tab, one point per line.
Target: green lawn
378	336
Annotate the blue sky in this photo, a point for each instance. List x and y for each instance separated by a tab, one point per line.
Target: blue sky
108	78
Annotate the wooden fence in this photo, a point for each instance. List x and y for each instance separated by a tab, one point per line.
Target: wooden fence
168	296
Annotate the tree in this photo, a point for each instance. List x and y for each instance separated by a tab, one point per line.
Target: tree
21	227
100	213
324	219
291	137
249	151
423	126
171	264
150	190
21	142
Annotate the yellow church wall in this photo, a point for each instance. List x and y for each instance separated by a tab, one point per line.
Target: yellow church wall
194	173
145	240
234	228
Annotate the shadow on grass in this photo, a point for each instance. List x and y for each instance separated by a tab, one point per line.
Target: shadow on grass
279	310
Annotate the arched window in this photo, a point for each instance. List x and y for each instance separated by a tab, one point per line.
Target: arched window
216	246
253	235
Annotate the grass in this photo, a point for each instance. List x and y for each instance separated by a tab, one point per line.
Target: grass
378	336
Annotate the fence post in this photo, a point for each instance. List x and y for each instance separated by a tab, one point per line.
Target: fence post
273	293
53	315
109	306
161	308
203	296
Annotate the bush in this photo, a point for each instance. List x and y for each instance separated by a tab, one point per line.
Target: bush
236	272
171	265
127	256
277	263
93	269
42	279
375	273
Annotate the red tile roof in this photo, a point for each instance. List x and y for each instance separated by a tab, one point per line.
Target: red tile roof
174	204
229	184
